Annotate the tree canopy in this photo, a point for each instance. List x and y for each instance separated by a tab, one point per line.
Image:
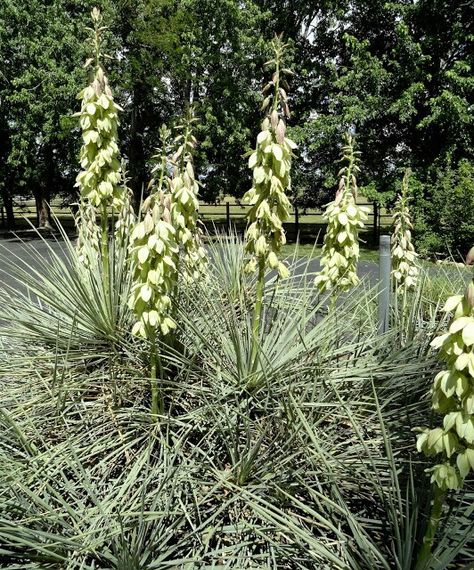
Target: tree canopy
397	74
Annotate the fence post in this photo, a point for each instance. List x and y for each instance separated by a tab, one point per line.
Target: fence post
384	283
227	215
297	222
375	228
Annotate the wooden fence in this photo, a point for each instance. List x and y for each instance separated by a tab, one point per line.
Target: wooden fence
307	223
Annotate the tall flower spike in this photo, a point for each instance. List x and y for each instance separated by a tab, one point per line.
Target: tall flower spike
99	181
88	236
154	252
405	272
345	218
271	164
126	218
184	202
453	396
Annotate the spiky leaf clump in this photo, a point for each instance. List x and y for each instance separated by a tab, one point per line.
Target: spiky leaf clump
345	219
271	165
99	181
184	203
405	272
453	396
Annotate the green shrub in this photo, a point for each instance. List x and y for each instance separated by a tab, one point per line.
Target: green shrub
444	211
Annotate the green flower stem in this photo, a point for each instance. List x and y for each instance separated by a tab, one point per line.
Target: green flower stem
104	249
156	405
184	189
271	165
258	313
276	99
96	18
435	516
405	271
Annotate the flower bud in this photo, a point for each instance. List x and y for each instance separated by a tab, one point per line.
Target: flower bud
341	248
469	294
470	256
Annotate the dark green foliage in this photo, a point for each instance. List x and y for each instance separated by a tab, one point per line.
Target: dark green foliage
399	73
444	211
41	47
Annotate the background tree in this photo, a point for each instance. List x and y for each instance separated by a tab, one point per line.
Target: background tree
398	73
40	43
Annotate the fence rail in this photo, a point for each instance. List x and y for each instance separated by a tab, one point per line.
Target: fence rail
301	219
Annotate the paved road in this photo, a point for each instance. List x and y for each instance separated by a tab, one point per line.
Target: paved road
35	250
28	250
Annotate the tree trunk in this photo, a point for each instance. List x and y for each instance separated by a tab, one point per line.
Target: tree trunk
43	194
8	205
43	213
376	223
136	154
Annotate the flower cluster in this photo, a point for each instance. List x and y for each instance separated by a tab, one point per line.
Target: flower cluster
271	164
184	203
453	396
345	218
126	218
154	249
88	237
99	181
405	272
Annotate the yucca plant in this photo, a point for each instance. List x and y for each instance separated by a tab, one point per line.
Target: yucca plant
271	165
345	218
99	181
404	269
155	256
184	202
306	470
453	397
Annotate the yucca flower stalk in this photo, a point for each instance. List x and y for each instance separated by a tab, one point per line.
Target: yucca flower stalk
88	234
184	202
99	181
405	272
126	217
345	219
154	253
453	397
271	165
